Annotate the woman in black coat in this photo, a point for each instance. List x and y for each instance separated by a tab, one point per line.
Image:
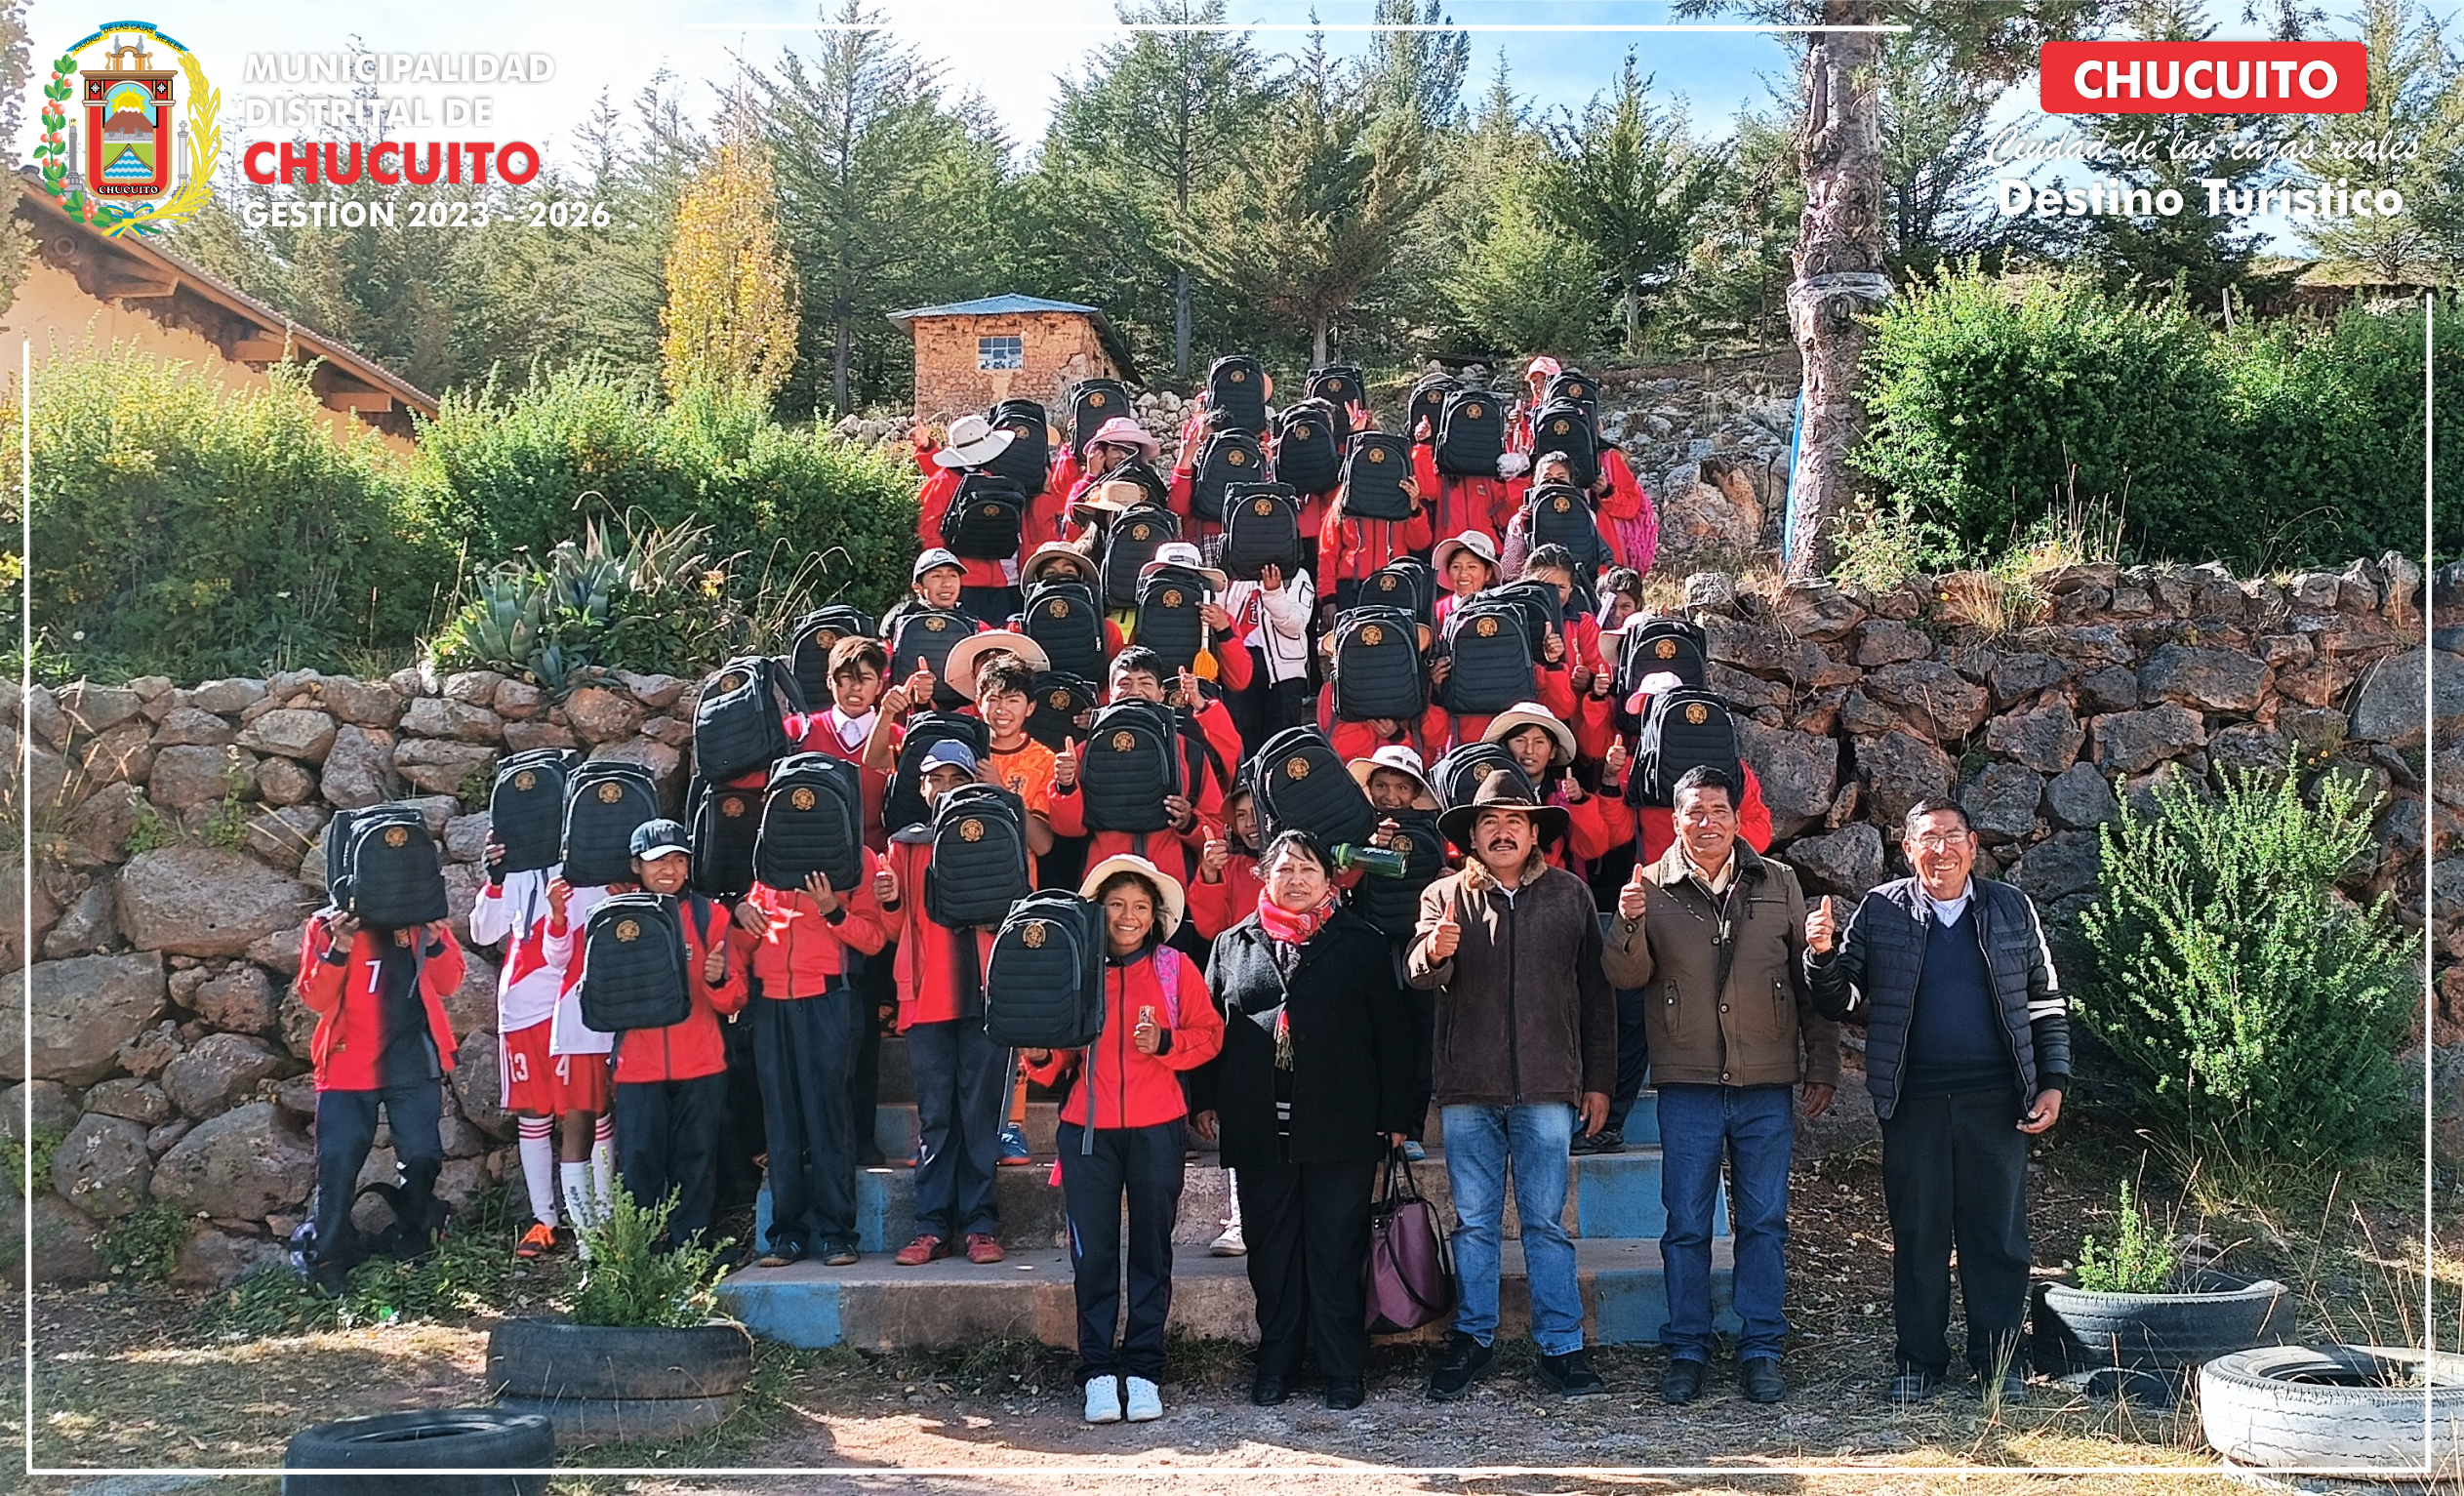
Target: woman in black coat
1312	1087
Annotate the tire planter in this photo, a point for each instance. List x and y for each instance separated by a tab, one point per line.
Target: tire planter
606	1385
440	1439
2339	1407
2074	1331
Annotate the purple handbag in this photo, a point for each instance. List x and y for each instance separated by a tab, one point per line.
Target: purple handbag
1412	1274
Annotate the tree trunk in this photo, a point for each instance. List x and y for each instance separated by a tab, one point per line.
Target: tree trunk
1634	319
838	369
1181	323
1317	344
1838	266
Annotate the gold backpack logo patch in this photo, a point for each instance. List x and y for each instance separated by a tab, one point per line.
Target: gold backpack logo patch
611	793
1263	507
970	831
628	930
1696	713
1295	768
1372	635
526	781
801	800
1487	629
1032	935
397	836
1122	743
1666	649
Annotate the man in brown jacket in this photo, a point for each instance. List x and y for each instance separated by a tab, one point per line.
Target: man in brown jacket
1715	937
1526	1045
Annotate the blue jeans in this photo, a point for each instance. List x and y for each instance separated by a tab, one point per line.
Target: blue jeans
1480	1141
1751	1127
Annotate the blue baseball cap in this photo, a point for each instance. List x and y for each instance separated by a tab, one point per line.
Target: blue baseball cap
655	839
948	753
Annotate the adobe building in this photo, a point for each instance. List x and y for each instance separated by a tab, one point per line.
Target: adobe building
87	293
970	355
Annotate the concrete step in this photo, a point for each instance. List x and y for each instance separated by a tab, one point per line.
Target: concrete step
894	1129
877	1306
1612	1196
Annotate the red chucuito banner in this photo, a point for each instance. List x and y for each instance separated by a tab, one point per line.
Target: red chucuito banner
2204	77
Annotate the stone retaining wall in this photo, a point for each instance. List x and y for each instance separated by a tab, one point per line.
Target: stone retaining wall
178	831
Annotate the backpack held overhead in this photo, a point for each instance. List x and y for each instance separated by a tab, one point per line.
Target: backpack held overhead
1428	404
1027	459
1404	583
1229	458
1308	449
812	821
1169	620
925	637
903	804
1376	666
1567	428
1341	387
1459	773
1302	786
1559	515
1262	528
1066	620
740	721
606	800
979	865
1133	764
1658	646
1375	465
1236	384
1488	639
986	517
1092	402
634	965
1686	727
815	634
1044	986
1472	433
1129	544
381	865
724	823
1573	387
526	807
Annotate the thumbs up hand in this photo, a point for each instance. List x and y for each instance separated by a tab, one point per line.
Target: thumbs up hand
1822	926
1064	767
1633	897
1446	937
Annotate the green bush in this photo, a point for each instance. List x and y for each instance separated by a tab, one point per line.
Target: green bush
2258	1010
2141	1260
634	1277
2282	443
187	529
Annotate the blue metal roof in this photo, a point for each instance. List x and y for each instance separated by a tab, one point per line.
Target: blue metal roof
994	305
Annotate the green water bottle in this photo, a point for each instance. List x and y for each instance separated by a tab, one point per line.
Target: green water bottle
1376	861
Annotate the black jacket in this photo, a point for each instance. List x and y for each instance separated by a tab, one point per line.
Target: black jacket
1870	976
1352	1037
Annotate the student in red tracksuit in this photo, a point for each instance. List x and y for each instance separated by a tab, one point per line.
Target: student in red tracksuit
1655	825
859	668
990	587
1359	547
1544	749
1137	672
1228	884
382	1040
1120	1133
672	1082
1628	521
1194	440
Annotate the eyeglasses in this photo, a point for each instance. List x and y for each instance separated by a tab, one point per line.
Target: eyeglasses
1941	842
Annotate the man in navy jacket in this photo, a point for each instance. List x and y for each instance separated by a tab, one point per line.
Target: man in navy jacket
1967	1053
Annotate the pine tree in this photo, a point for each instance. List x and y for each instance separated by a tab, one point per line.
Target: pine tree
2416	95
730	319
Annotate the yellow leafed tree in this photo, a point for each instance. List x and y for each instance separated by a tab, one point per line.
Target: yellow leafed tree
730	319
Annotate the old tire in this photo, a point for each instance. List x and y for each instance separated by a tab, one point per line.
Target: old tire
426	1439
583	1422
2074	1330
2331	1405
549	1360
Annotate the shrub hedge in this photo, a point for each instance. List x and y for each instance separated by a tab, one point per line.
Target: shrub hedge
2281	444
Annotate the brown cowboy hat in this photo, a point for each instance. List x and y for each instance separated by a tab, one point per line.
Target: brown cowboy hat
1499	791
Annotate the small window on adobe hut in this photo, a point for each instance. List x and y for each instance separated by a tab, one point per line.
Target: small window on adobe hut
1000	352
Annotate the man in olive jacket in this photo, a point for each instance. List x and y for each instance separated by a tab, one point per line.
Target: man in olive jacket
1526	1045
1715	935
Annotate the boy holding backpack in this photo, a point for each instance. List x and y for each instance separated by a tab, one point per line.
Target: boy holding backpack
382	1040
513	908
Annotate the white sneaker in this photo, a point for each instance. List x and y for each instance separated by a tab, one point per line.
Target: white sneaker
1104	1399
1229	1244
1145	1401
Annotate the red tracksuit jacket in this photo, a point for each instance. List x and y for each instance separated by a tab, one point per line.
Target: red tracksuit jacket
1125	1088
694	1047
350	1031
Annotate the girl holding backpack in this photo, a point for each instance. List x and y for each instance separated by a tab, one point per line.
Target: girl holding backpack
1122	1132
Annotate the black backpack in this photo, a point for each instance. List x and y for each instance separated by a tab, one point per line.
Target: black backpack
1392	904
1309	447
986	517
1341	387
1227	458
1542	609
606	800
1129	544
1378	668
1092	402
812	821
1302	786
979	865
635	969
526	807
1489	641
1674	646
925	637
1066	620
1428	402
381	865
1060	699
1027	459
1236	384
1573	387
1566	426
1374	467
1044	986
1133	763
738	723
1559	515
1168	618
1262	528
1404	583
903	804
815	633
1686	727
1458	774
724	823
1472	433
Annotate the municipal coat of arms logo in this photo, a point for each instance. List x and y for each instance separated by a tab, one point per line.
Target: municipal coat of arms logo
146	130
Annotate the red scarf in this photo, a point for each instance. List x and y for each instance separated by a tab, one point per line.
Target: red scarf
1290	928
